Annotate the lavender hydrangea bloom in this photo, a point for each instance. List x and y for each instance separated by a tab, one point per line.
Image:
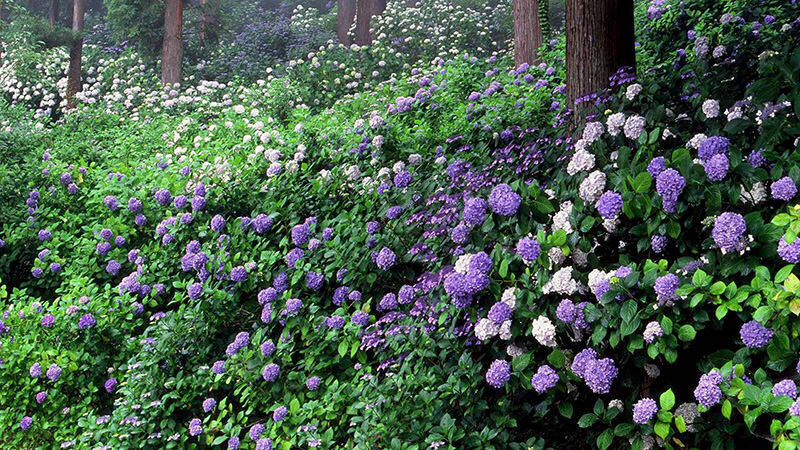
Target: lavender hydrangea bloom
666	286
218	367
385	259
238	274
294	256
334	322
194	290
53	372
728	232
26	422
498	374
256	431
271	372
581	361
566	311
402	179
707	392
217	223
41	397
280	413
714	145
656	166
163	197
195	427
717	167
783	189
785	387
300	234
134	205
86	321
499	313
544	379
264	444
528	249
474	211
644	410
669	185
360	318
755	335
609	205
267	295
789	252
110	385
599	375
233	443
460	234
314	280
312	384
209	404
504	201
267	348
35	371
48	320
659	242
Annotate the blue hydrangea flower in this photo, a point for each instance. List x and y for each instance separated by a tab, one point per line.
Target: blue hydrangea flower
498	374
504	201
644	410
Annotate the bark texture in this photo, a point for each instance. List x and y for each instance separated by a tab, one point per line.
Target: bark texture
600	40
172	45
52	12
366	10
74	71
527	32
345	16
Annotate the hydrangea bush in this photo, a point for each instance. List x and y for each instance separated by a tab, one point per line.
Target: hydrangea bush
450	258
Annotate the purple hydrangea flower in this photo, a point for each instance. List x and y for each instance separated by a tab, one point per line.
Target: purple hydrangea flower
498	374
474	211
566	311
659	242
528	249
218	367
786	387
385	259
728	232
715	145
656	166
238	274
54	372
233	443
26	422
111	385
314	280
402	179
195	427
666	286
669	185
644	410
36	370
652	331
783	189
707	392
717	167
41	397
194	290
163	197
48	320
544	379
609	205
360	318
280	413
499	313
789	252
312	384
271	372
209	404
504	201
256	431
755	335
86	321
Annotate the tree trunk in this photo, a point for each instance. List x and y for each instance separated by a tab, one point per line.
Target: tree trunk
203	19
52	12
172	45
600	40
527	32
345	15
74	72
366	10
209	20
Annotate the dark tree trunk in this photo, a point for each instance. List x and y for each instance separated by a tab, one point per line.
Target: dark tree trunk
209	19
172	45
366	10
527	32
600	40
345	15
52	12
74	72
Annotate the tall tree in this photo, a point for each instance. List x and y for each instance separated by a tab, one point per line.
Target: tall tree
209	20
172	44
345	15
527	31
600	40
52	12
366	10
74	71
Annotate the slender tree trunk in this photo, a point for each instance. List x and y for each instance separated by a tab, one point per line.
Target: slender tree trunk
52	12
366	10
74	72
600	40
345	15
203	19
172	45
527	32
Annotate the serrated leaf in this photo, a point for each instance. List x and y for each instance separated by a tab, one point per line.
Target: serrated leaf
662	430
686	333
667	400
727	409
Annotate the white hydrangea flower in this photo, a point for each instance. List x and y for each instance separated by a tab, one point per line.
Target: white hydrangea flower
755	195
592	187
633	90
593	131
580	161
414	159
544	331
462	264
556	256
561	282
510	298
561	218
485	329
579	257
696	140
711	108
514	351
505	331
634	126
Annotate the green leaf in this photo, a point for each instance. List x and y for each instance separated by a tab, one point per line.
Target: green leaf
628	310
727	409
587	420
556	358
294	405
686	333
343	348
605	439
662	429
642	183
680	424
624	429
503	271
783	274
667	400
565	408
717	288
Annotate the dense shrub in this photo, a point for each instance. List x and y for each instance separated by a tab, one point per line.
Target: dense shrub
438	259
